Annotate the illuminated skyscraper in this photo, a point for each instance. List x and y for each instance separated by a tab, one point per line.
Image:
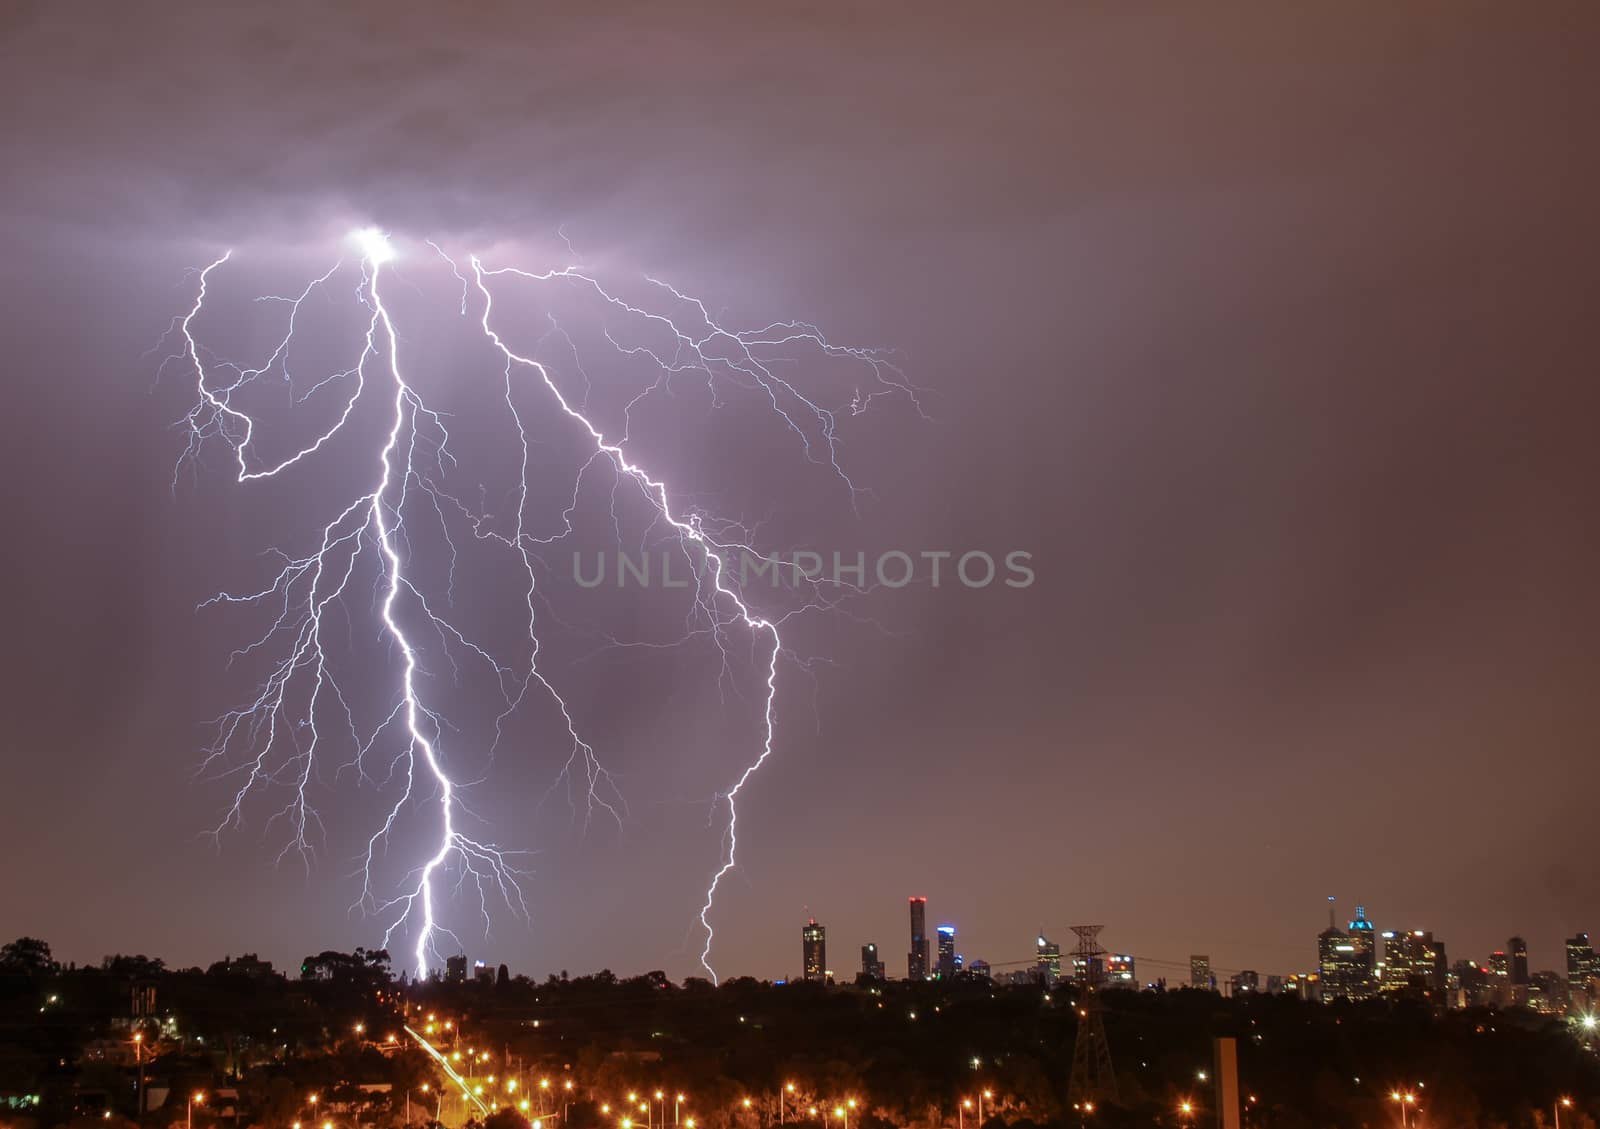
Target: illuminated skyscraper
1047	960
1582	966
1120	972
1413	961
871	962
947	951
1347	962
1364	940
814	941
1200	972
917	958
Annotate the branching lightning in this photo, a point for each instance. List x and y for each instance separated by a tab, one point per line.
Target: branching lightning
279	737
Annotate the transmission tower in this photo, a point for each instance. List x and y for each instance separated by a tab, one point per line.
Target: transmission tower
1093	1078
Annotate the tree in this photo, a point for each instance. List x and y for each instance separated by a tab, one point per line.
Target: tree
505	1119
28	956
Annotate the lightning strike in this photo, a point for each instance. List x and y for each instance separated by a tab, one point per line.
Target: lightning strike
279	737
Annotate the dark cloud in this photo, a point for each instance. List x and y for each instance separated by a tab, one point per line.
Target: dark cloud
1266	332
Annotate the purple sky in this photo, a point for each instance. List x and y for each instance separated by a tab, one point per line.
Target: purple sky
1263	332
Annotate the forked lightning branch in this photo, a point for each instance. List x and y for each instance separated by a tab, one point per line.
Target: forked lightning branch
362	557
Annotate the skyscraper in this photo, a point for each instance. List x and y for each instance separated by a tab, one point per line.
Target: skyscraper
871	963
947	951
814	943
1364	939
1347	962
917	958
1047	960
1582	966
1413	961
1200	972
1518	949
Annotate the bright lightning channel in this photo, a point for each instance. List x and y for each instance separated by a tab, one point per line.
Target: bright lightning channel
270	741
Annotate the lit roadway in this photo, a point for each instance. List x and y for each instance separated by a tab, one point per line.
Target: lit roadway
450	1071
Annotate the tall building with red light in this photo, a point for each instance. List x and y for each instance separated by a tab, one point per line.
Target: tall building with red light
917	958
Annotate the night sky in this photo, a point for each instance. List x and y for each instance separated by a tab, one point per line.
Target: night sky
1269	334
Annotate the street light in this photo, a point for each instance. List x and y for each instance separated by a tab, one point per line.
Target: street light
1564	1103
196	1098
138	1052
676	1102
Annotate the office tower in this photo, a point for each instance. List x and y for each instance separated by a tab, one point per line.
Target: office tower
1474	984
814	944
1047	960
1347	962
1547	992
1364	939
1519	960
1335	958
455	969
1580	958
917	958
1582	968
1200	972
1120	971
947	951
1244	983
980	968
1413	961
871	963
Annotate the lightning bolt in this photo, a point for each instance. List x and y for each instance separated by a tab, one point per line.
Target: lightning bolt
276	737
